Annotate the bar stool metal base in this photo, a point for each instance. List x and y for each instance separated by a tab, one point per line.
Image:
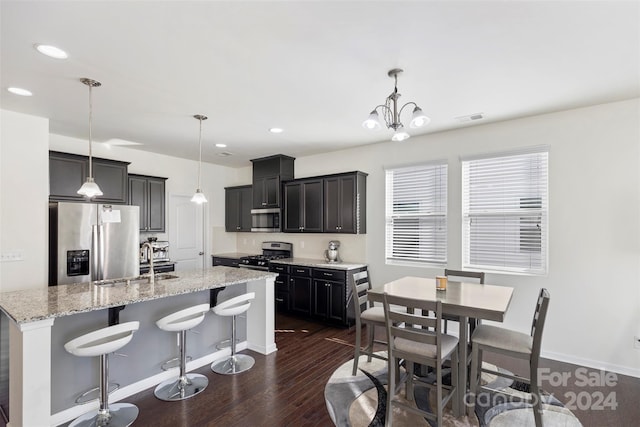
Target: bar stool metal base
118	415
181	388
233	364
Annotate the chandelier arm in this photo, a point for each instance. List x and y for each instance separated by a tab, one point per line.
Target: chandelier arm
408	103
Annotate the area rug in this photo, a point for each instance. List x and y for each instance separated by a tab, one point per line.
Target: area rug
360	401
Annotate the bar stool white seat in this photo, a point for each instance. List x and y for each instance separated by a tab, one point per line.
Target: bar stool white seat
186	385
101	343
235	363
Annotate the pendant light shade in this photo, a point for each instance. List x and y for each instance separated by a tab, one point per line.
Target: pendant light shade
199	197
90	189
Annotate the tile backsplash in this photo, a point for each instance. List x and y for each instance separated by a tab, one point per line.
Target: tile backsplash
352	247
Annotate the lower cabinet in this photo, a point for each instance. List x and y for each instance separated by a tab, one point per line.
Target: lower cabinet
300	282
281	287
310	292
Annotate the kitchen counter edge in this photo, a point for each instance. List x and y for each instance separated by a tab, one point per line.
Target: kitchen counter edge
32	305
319	263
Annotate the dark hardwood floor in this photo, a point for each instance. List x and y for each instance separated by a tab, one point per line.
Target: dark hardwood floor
286	388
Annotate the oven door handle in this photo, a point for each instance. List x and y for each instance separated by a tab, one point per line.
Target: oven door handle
254	267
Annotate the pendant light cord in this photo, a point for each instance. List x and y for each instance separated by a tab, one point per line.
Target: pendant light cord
90	134
200	154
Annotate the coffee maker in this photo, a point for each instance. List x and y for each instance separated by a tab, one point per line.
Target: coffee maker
331	254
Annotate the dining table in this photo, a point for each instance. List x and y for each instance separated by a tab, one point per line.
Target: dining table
465	300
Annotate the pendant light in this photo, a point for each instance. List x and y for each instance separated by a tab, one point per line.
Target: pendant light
90	189
199	197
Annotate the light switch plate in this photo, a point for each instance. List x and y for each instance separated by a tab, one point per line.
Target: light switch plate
9	256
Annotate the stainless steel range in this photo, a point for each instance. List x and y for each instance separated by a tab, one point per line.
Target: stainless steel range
270	251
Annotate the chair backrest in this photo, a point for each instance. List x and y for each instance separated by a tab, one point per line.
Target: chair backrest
539	317
466	274
418	321
359	287
235	305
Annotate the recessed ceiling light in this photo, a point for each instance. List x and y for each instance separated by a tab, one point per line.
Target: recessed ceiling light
276	130
221	145
51	51
19	91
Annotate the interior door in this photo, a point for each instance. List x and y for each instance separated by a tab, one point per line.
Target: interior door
186	232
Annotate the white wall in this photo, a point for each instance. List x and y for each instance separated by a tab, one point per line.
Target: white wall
24	192
594	222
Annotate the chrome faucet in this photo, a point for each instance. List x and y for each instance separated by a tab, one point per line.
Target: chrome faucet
151	272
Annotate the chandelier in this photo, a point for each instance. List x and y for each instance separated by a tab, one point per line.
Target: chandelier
391	114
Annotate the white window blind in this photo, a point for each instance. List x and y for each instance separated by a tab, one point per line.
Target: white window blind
504	212
416	214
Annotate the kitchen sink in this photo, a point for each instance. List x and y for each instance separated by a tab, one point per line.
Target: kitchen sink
133	280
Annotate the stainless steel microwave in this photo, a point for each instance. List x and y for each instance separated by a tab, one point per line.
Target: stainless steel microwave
265	220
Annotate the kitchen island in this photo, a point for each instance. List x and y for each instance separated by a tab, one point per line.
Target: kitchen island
43	319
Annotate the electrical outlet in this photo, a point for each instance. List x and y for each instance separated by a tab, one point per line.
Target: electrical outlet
10	256
636	342
301	244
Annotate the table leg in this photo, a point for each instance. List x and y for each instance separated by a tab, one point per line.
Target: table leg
462	365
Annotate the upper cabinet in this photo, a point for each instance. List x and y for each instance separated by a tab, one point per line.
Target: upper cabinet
303	206
148	192
345	203
268	173
238	202
67	173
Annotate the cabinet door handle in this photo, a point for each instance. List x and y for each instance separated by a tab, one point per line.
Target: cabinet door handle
200	253
328	274
280	299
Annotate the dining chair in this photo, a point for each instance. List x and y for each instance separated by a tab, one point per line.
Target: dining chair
452	275
415	335
369	315
513	344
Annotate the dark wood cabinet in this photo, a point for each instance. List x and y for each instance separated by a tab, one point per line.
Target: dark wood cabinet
224	261
148	192
266	192
329	291
238	202
268	173
300	290
303	206
345	203
67	173
282	296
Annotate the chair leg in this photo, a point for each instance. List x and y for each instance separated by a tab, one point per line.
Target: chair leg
409	394
391	386
356	354
439	395
454	382
535	394
370	335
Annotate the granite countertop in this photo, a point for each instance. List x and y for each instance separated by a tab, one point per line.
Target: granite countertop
232	255
311	262
64	300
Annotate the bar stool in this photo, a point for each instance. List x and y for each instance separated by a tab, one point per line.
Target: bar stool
186	385
235	363
101	343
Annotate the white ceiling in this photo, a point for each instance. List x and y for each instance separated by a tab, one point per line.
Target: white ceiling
315	69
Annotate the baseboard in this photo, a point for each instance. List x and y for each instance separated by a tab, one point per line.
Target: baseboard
263	350
144	384
593	364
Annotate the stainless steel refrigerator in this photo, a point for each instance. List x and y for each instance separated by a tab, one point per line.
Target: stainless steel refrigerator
92	242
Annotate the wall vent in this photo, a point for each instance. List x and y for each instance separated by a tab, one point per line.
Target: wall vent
470	117
225	154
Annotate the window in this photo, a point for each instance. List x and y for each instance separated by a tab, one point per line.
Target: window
416	214
504	212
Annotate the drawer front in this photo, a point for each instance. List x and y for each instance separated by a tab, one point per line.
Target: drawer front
282	283
300	271
227	262
279	268
329	274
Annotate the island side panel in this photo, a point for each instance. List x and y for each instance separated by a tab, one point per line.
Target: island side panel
30	379
261	317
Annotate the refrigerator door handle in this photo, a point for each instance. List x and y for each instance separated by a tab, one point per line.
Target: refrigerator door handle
95	259
101	253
